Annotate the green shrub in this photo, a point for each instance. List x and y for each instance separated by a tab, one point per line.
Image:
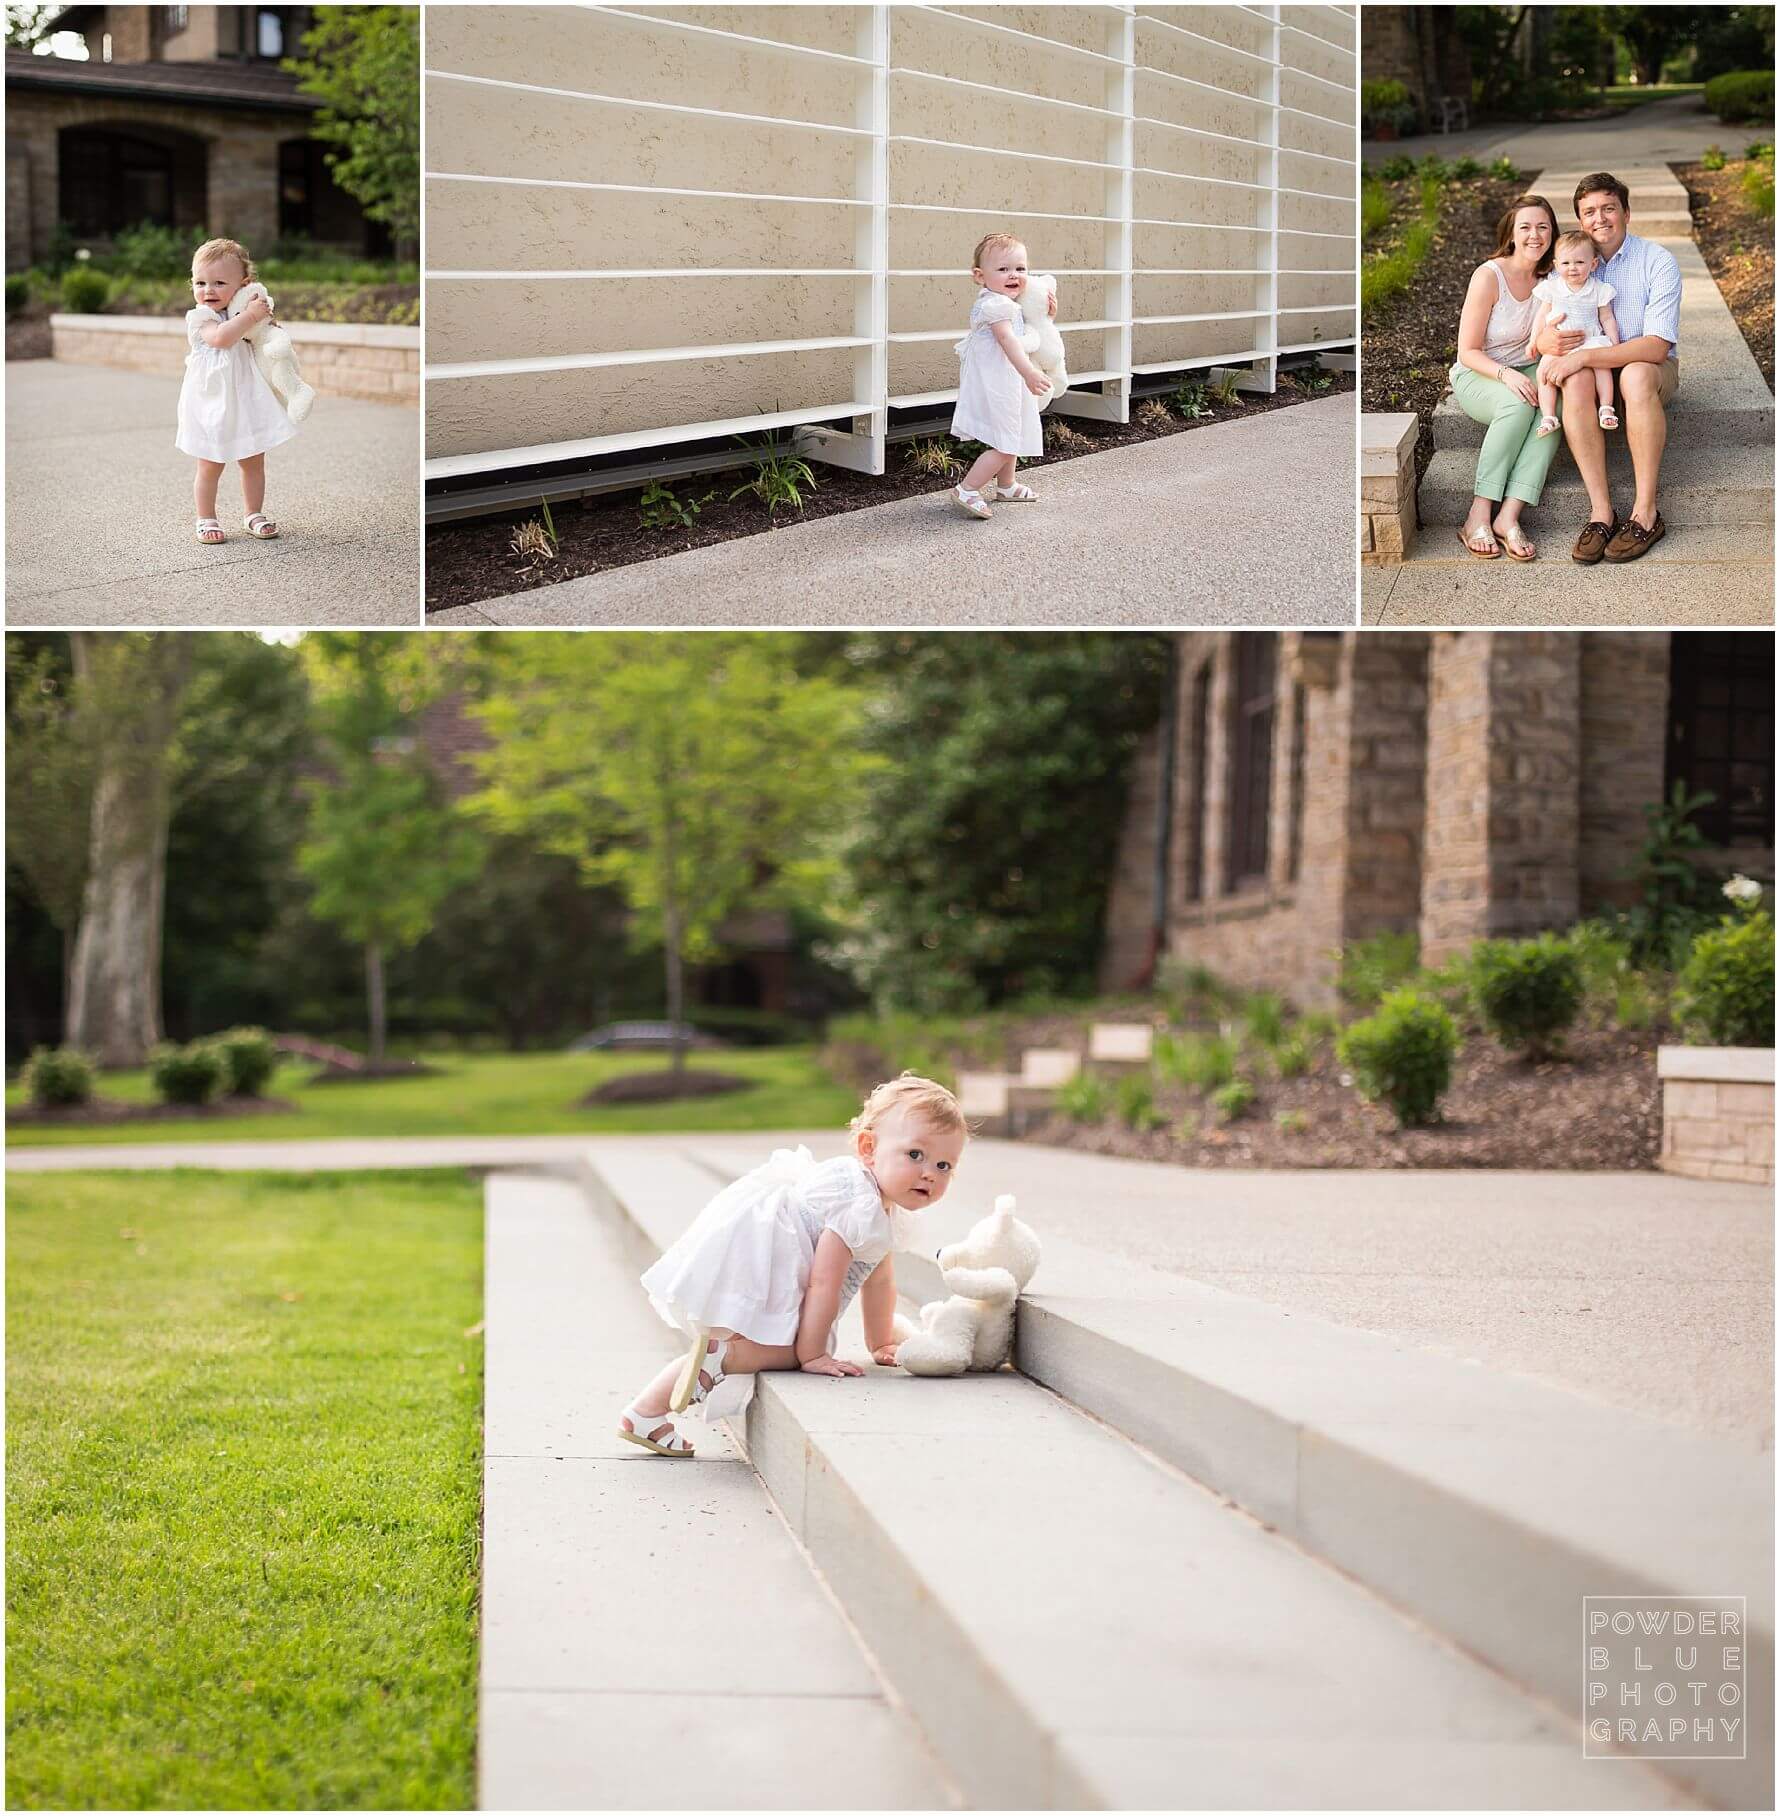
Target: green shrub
1744	94
1376	204
1726	988
1403	1055
1465	168
1712	158
1291	1058
1264	1019
1758	187
1290	1122
1504	170
660	509
1760	148
1372	967
1234	1100
18	292
1188	399
1187	1129
57	1075
248	1060
192	1074
84	291
1201	1061
1397	169
1386	103
1527	992
1190	991
1135	1101
1677	895
1083	1098
147	250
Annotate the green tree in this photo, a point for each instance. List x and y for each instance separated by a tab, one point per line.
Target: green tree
979	870
363	64
382	850
696	774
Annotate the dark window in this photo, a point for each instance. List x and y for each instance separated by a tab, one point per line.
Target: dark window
1198	751
1297	808
1251	760
110	180
1721	730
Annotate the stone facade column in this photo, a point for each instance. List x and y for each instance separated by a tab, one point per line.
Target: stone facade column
1503	826
18	205
1387	756
1625	703
244	184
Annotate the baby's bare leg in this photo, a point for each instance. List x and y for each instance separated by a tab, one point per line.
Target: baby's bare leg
986	467
204	486
253	483
1604	388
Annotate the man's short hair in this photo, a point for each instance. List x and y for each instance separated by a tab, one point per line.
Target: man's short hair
1605	181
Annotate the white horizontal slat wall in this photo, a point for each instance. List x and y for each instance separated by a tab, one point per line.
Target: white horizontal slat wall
650	225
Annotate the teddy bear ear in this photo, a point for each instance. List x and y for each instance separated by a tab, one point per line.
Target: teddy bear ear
1004	1205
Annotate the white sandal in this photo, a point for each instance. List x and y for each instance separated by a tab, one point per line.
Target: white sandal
1015	494
972	504
643	1423
1548	425
699	1373
259	518
205	526
1607	417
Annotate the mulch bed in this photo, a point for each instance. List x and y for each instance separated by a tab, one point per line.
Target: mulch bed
1410	342
27	337
1738	247
661	1087
104	1110
470	561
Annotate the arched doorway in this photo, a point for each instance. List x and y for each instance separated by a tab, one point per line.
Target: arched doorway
312	206
113	177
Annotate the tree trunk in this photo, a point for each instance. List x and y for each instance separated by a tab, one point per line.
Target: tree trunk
374	992
670	925
131	685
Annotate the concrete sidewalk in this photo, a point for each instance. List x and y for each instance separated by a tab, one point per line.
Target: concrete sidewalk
1673	131
1244	523
99	512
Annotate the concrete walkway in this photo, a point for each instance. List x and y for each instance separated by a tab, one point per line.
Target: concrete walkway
99	512
1245	523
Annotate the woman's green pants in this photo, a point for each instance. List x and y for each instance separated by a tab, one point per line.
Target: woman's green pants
1513	461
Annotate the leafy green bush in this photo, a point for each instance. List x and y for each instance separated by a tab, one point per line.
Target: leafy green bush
1264	1019
1726	992
56	1076
1744	94
1386	104
148	250
1234	1100
1759	148
1397	169
660	509
1677	895
1188	399
1527	992
1372	967
84	291
248	1059
1192	992
1403	1055
1504	170
1201	1061
18	292
1083	1098
1465	168
1758	185
1134	1099
1712	158
192	1074
1291	1058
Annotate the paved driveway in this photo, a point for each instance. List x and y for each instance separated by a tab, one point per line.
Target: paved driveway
99	512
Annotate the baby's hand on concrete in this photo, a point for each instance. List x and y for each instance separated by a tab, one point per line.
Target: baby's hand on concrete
831	1365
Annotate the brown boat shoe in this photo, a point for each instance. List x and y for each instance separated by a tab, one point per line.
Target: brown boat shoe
1634	540
1591	545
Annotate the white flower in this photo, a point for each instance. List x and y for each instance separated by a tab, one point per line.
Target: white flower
83	253
1744	891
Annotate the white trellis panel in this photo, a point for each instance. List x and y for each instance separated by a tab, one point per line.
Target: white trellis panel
646	228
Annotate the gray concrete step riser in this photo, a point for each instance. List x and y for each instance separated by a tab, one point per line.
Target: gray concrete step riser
1442	501
1706	428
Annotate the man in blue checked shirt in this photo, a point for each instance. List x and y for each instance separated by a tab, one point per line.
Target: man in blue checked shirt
1647	305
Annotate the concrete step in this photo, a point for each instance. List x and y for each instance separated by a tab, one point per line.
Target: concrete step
1696	576
1728	485
620	1590
1132	1680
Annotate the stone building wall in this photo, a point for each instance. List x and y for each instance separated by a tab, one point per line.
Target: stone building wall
1625	701
1126	956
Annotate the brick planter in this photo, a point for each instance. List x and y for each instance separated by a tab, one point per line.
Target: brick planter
1387	485
340	359
1718	1112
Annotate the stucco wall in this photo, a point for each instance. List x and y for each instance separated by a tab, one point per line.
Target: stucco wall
475	130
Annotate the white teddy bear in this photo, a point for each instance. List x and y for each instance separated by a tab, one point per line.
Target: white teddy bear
985	1274
274	355
1040	338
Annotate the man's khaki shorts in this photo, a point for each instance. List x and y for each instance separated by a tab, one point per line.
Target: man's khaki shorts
1667	384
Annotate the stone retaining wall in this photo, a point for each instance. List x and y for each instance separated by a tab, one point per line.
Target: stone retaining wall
1718	1112
1387	485
340	359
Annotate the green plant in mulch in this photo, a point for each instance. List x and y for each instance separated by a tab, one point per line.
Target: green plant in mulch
1188	399
1527	992
1226	389
1202	1062
779	478
660	509
1370	968
1264	1019
535	541
1390	271
55	1077
1396	169
1234	1100
1677	897
18	292
1758	184
1504	170
1726	989
1403	1055
84	291
1290	1122
1134	1099
1083	1098
931	454
1377	205
1712	158
1059	436
192	1074
1153	414
1292	1056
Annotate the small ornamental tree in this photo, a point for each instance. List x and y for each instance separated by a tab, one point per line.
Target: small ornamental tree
1527	992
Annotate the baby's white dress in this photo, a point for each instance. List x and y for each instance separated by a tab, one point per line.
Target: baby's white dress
226	410
1573	309
744	1263
994	406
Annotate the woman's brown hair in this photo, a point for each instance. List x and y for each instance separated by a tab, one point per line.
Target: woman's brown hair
1505	230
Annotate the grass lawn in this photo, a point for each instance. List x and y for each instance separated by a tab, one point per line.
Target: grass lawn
243	1490
490	1094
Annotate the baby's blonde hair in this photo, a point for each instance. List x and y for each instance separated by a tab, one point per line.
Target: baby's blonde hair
212	250
920	1097
1575	237
993	242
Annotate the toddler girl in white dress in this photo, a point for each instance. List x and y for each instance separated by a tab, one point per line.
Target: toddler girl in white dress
226	409
763	1274
998	387
1569	299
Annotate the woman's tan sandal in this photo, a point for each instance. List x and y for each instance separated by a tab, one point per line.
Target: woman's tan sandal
647	1430
209	530
1518	548
972	504
1469	544
1015	494
262	526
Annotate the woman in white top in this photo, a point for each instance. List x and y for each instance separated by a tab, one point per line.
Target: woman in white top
1493	380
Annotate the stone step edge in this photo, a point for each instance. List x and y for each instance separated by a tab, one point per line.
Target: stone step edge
826	1515
1238	1433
